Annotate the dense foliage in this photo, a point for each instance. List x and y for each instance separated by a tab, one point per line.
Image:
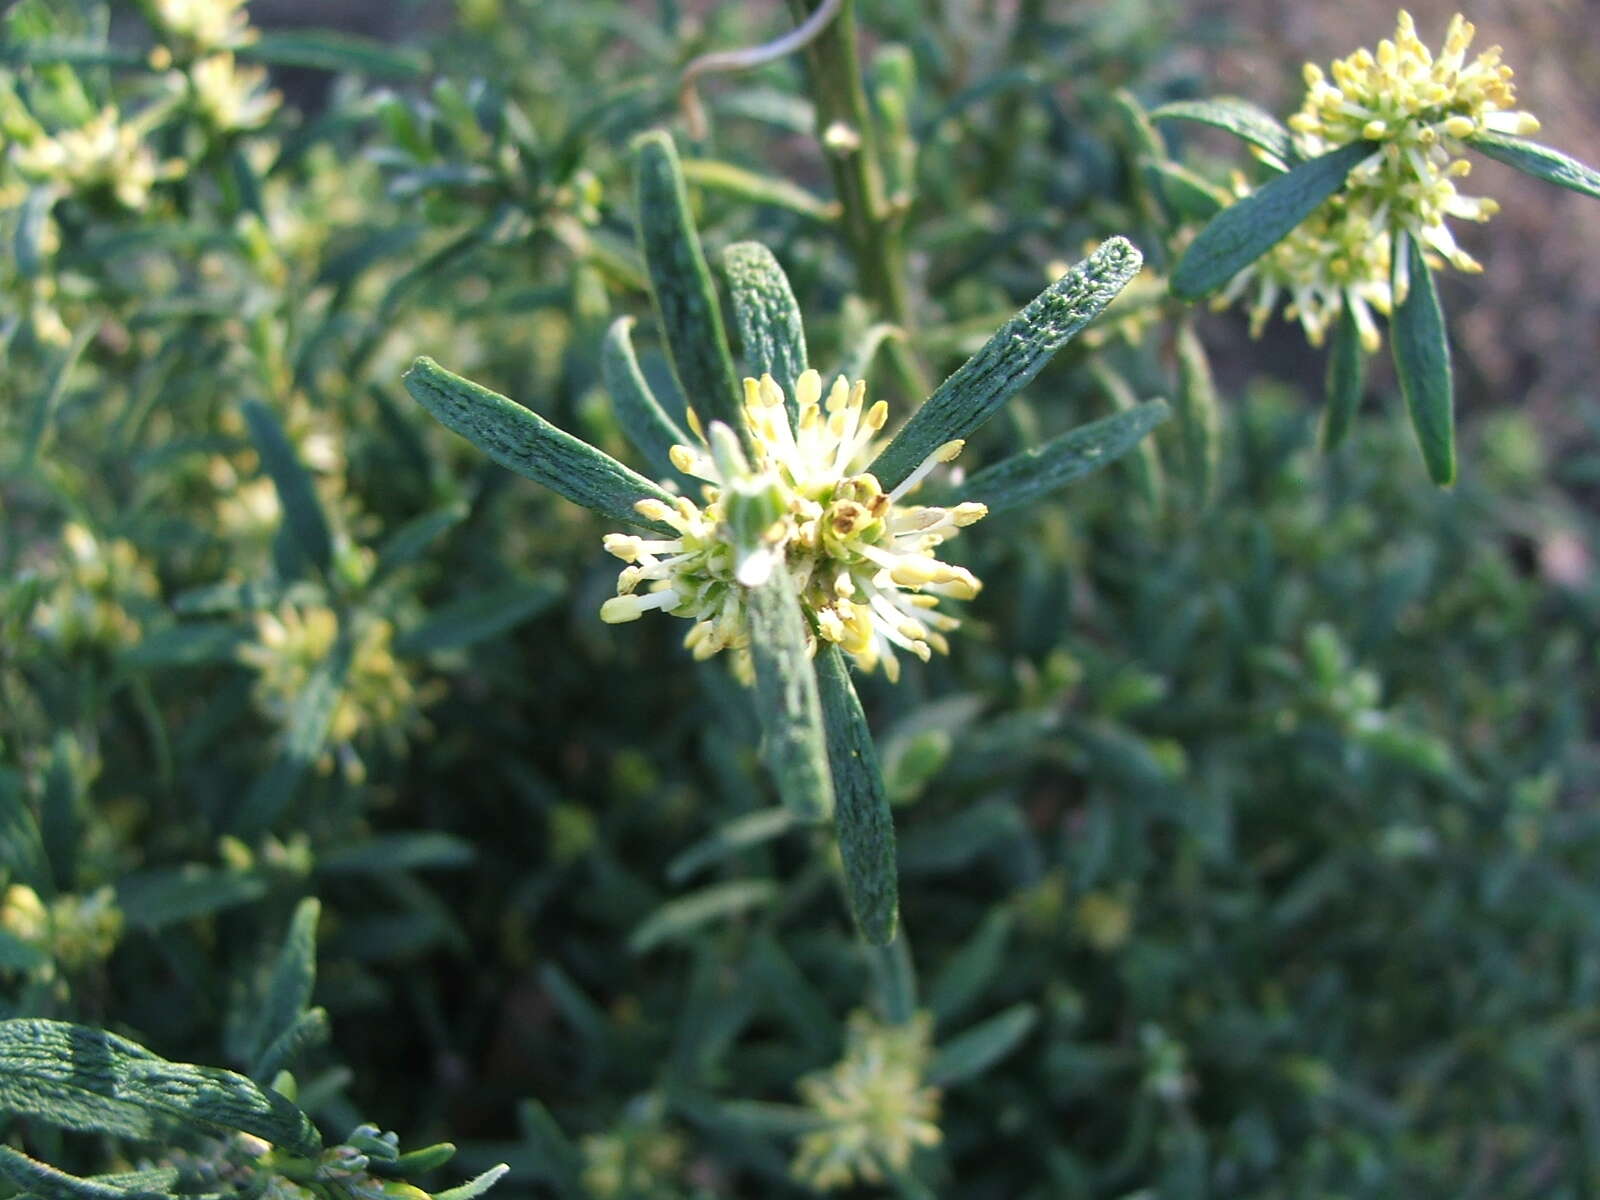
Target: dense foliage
1245	835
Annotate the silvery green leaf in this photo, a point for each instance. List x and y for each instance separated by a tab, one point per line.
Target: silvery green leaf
39	426
474	1187
753	187
522	441
325	50
861	804
32	220
44	1182
1032	474
967	973
382	852
1239	117
1010	359
1422	362
741	833
1199	420
794	743
162	896
305	1033
681	284
1542	162
293	976
1347	377
1252	225
21	843
678	919
652	432
96	1082
771	332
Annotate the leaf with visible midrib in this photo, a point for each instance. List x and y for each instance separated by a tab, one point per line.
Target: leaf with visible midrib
1252	225
1542	162
1422	362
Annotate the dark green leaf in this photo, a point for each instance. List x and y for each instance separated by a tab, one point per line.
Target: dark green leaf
305	1033
652	432
524	442
679	919
1542	162
293	976
152	899
1251	226
1025	477
741	833
397	852
44	412
39	1180
861	804
980	1047
406	544
685	297
93	1081
479	616
1422	362
970	970
1239	117
324	50
302	509
21	844
1347	379
1010	359
186	646
771	332
794	743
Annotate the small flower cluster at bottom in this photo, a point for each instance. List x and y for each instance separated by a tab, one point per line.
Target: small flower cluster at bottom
859	558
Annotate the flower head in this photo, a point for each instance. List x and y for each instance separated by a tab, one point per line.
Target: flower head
1419	109
105	152
204	24
860	558
877	1105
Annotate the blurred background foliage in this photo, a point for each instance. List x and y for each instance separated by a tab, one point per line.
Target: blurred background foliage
1248	846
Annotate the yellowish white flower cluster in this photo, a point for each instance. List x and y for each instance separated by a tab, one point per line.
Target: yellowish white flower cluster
203	24
98	592
72	931
878	1108
105	152
1418	108
860	558
228	97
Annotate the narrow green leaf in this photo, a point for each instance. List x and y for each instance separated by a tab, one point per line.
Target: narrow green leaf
305	1033
1347	380
44	412
685	296
324	50
384	852
1239	117
408	543
474	1187
753	187
1542	162
37	1179
302	510
741	833
522	441
1249	227
794	741
679	919
1010	359
293	976
93	1081
191	645
32	220
62	808
21	844
768	318
896	979
979	1048
152	899
77	52
555	1157
415	1162
1145	465
861	804
1192	197
1025	477
1422	361
970	970
1199	420
303	742
652	432
479	616
18	955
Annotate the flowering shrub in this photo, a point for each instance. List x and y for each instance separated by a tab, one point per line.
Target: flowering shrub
1229	840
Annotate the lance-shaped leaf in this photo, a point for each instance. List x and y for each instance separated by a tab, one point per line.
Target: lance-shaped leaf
1239	117
1252	225
861	804
478	616
408	543
1347	380
305	522
1190	195
1145	466
524	442
794	741
1542	162
43	1182
680	918
95	1082
755	188
1010	359
648	426
1023	478
980	1047
293	976
303	742
322	50
685	296
1198	417
306	1032
1422	362
764	308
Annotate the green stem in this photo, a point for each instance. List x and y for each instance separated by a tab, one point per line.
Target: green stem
872	226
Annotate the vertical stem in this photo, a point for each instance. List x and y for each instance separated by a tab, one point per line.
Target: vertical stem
848	132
